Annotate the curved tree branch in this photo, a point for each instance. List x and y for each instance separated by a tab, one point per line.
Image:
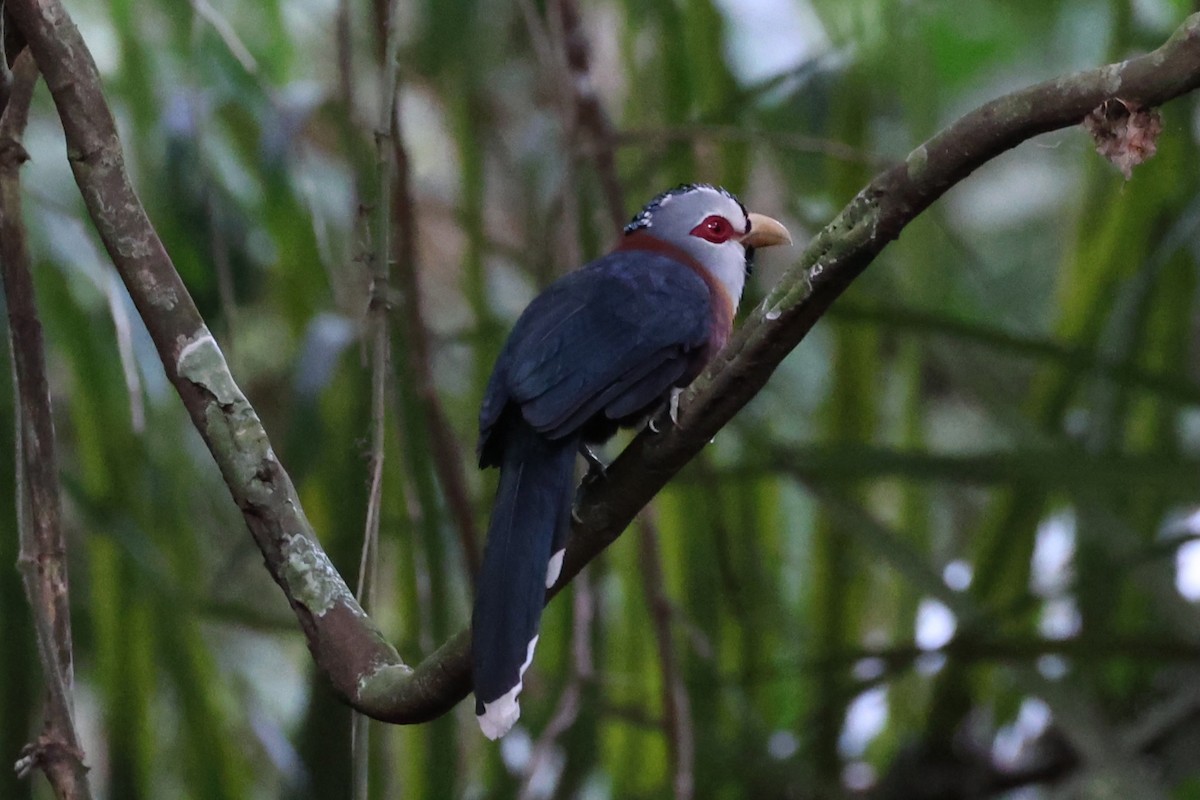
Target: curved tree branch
364	669
344	642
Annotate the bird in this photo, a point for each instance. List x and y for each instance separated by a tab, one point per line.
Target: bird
600	348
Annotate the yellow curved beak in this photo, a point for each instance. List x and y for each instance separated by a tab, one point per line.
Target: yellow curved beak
765	232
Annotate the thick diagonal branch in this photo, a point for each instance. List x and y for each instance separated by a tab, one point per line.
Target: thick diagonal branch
364	669
844	248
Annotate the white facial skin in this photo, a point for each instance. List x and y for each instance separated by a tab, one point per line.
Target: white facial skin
678	215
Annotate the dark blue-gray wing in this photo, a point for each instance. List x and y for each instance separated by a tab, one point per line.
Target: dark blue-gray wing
610	338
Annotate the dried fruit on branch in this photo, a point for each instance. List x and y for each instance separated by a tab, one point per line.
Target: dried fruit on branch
1125	133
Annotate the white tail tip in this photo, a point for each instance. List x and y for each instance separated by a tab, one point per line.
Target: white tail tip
501	714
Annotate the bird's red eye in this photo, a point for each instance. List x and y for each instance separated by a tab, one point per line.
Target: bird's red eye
715	229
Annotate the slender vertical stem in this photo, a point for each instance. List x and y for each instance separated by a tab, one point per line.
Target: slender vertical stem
43	552
379	343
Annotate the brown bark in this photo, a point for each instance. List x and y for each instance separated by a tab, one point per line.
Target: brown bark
43	551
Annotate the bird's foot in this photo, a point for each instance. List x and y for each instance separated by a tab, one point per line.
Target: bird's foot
673	406
577	501
597	468
672	411
597	471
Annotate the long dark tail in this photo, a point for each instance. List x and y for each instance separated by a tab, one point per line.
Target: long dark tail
530	518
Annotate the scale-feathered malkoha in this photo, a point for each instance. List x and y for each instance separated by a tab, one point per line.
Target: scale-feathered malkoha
601	347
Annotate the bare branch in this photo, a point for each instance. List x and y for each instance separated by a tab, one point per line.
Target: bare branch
378	313
43	552
379	344
228	35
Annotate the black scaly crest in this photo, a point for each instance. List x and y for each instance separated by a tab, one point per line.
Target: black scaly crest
644	218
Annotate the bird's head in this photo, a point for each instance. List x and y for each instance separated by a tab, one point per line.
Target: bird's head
712	226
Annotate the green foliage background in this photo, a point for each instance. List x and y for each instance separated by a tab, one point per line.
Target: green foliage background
1022	360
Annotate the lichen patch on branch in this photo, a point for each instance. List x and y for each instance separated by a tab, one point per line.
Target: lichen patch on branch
201	361
1111	75
312	578
383	679
232	428
916	162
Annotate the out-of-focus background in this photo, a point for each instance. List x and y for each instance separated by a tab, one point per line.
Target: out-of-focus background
948	552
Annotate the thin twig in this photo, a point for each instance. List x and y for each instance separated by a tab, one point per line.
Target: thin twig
589	112
378	313
368	568
129	367
43	551
378	350
677	713
443	441
205	11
